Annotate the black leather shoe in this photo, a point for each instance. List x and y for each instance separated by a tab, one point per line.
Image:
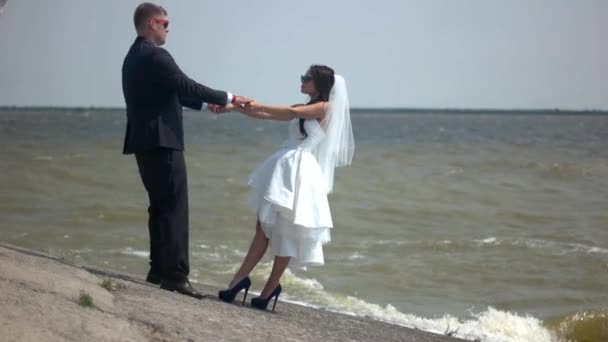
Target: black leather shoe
183	287
153	278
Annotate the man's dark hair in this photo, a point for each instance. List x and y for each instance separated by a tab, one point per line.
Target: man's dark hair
144	12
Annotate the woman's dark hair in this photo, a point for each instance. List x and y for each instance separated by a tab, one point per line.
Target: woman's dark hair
323	78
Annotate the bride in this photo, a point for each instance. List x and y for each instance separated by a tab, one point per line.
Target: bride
289	189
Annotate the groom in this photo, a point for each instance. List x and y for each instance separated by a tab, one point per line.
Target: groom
155	89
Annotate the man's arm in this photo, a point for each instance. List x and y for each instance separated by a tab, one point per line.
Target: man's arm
191	93
190	103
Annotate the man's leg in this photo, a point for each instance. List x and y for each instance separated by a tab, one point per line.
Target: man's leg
174	220
168	190
146	163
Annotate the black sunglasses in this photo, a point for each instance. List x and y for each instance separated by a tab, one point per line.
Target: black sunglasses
305	78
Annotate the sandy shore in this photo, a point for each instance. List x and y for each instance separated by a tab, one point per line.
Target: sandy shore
40	301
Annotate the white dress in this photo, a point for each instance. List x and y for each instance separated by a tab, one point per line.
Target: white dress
289	195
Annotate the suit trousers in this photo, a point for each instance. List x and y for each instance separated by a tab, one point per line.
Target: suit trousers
163	173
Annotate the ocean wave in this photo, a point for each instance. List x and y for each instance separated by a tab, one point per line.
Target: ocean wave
487	241
565	170
554	247
239	253
356	256
365	243
490	325
560	248
582	326
135	252
588	249
82	251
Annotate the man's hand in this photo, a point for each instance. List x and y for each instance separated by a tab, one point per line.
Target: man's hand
241	100
217	109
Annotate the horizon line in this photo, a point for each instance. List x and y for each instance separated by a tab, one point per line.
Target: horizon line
357	109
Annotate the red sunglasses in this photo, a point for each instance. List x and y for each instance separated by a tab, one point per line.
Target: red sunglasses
165	22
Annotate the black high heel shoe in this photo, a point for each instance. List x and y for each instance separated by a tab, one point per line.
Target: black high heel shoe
262	304
229	295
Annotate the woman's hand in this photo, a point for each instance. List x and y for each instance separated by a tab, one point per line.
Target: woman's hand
254	107
240	109
266	112
251	109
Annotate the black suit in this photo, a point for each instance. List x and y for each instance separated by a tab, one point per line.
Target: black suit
155	89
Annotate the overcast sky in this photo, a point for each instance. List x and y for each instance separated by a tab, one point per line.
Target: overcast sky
392	53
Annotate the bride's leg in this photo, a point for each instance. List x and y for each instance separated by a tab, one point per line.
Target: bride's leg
278	268
258	247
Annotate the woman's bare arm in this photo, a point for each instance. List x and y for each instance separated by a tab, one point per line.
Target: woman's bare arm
284	113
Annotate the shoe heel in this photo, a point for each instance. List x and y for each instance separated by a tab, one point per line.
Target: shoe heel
229	295
245	296
275	301
262	304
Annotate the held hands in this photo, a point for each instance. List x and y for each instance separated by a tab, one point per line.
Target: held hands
250	108
238	102
242	100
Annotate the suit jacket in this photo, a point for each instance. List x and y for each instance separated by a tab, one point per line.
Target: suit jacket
155	89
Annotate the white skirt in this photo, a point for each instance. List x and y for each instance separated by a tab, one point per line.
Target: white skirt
290	197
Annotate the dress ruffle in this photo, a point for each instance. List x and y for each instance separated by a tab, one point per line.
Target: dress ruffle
290	198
